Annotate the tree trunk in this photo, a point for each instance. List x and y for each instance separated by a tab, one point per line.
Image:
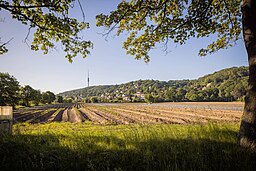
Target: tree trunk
247	133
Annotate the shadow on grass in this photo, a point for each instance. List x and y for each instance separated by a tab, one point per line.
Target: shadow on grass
49	152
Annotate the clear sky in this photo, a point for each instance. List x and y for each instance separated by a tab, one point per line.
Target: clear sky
108	62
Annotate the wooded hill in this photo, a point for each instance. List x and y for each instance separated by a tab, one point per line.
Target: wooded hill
225	85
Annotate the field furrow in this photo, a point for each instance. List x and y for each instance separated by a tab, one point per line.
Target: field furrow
187	117
44	117
166	113
74	116
153	117
65	116
27	117
94	117
191	114
57	117
113	116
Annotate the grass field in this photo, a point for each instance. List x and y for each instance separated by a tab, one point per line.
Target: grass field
40	143
84	146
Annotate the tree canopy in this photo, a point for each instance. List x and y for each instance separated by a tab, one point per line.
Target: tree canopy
48	97
11	93
50	23
149	22
27	94
9	89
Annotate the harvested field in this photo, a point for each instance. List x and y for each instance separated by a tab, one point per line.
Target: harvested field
128	113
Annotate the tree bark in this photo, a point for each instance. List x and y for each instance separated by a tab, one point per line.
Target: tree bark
247	133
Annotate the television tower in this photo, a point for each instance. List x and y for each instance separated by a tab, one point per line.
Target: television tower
88	79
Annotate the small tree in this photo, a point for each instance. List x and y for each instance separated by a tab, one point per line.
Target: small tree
68	100
9	88
37	97
59	99
27	94
48	97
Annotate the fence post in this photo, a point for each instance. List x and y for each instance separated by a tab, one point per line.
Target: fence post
6	118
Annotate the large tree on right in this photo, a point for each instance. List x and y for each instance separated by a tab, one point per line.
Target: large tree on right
149	22
247	134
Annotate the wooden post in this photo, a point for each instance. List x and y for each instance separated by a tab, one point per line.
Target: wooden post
6	117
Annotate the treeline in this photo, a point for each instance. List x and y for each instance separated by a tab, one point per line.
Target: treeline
225	85
11	93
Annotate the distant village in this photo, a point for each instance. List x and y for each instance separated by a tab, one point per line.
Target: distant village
225	85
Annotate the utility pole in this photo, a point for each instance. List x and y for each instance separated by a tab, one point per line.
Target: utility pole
88	79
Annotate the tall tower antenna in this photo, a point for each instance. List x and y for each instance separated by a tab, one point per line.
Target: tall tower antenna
88	79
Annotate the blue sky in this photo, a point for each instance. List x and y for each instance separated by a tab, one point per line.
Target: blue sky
108	62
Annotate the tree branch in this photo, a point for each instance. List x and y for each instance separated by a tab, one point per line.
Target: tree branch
2	45
23	15
229	15
81	8
30	6
29	19
191	19
159	25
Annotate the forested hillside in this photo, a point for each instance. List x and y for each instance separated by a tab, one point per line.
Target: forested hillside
225	85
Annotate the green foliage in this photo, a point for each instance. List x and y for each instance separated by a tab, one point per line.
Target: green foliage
225	85
37	96
28	94
60	99
149	22
84	146
149	98
9	88
48	97
94	99
11	93
51	24
68	100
